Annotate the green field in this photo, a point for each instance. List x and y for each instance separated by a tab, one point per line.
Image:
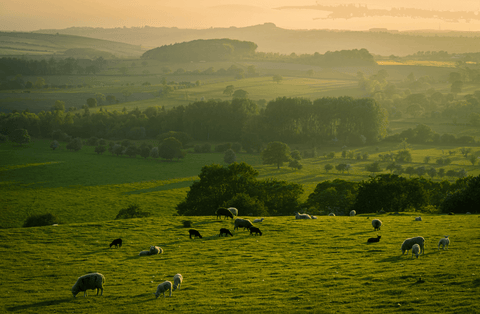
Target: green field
296	266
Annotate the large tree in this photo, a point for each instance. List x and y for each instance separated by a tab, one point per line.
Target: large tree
19	136
171	148
276	153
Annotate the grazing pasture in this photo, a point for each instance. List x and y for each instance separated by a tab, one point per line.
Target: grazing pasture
305	266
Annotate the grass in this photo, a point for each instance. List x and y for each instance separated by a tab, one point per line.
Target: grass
296	266
85	187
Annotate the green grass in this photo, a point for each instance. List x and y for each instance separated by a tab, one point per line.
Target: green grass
296	266
85	187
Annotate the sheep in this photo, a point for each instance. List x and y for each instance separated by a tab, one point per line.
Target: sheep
222	211
116	242
144	253
155	250
258	220
352	213
377	239
177	281
195	233
233	210
376	223
225	231
89	281
314	217
415	250
302	216
444	242
256	230
408	243
419	218
164	286
331	214
245	223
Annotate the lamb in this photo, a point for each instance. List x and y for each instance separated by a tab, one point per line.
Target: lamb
408	243
302	216
377	239
117	243
353	213
233	210
419	218
256	230
163	287
89	281
195	233
258	220
225	231
177	281
444	242
415	250
376	223
222	211
155	250
245	223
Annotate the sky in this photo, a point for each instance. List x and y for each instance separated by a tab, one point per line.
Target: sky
30	15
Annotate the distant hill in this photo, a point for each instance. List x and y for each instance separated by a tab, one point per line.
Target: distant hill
202	50
270	38
16	43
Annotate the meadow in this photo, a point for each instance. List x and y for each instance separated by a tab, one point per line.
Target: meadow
296	266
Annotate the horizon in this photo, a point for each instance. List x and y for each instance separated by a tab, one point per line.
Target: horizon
22	16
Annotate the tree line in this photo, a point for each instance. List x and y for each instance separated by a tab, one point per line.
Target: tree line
237	186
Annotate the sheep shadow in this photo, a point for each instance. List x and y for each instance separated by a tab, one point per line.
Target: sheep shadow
361	232
24	307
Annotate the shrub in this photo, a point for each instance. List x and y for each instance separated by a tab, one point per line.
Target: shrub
132	211
100	149
75	144
187	224
222	147
93	141
54	144
41	220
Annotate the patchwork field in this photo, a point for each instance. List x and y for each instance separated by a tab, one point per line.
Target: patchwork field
296	266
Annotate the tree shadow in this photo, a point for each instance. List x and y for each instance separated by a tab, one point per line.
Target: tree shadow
39	304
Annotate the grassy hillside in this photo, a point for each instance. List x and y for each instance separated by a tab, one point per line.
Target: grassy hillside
86	187
34	44
296	266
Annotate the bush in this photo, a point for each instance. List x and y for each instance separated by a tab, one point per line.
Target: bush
41	220
100	149
132	211
93	141
187	224
222	147
205	148
75	144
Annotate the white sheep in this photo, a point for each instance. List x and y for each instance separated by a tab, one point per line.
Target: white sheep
144	253
89	281
415	250
419	218
331	214
353	213
177	281
408	244
163	287
314	217
233	210
245	223
302	216
444	242
258	220
376	223
155	250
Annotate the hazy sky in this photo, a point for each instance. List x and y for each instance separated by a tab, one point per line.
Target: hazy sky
28	15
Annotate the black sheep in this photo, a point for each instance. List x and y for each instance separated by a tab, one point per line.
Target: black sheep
256	230
225	231
195	233
222	211
117	243
377	239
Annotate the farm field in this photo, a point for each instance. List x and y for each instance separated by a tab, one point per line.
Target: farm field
86	187
296	266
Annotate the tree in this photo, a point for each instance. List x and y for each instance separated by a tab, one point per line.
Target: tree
123	70
75	145
111	99
145	151
59	105
54	144
19	136
276	153
427	159
40	82
421	171
295	164
154	153
126	94
100	149
240	93
229	90
328	167
170	148
473	159
91	102
131	151
341	167
432	172
277	78
118	149
464	199
336	196
296	155
374	167
456	87
229	157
